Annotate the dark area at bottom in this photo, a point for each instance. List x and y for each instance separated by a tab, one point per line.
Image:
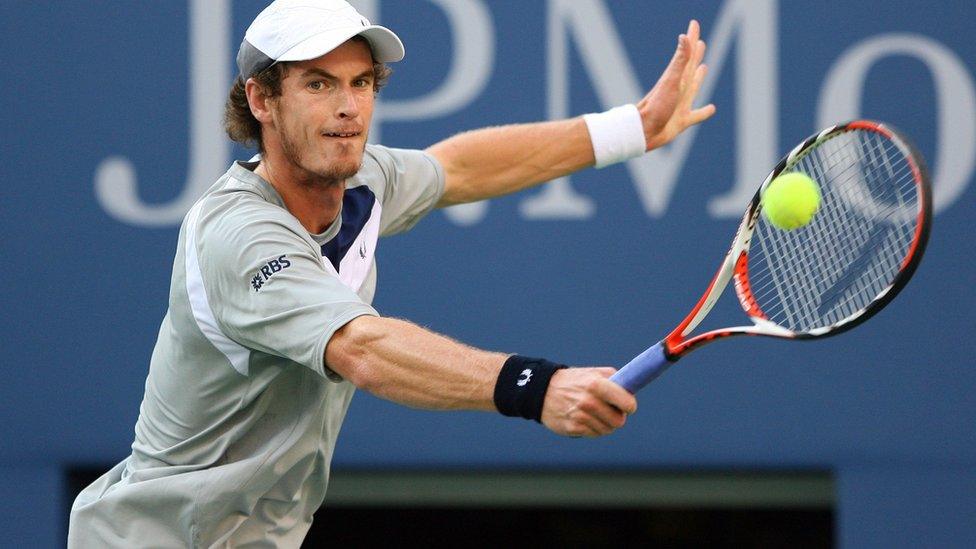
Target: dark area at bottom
543	527
576	527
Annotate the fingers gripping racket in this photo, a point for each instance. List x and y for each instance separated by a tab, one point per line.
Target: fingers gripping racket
859	250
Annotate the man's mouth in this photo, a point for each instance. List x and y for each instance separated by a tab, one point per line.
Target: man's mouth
342	135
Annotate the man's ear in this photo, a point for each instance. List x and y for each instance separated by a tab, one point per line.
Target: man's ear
259	101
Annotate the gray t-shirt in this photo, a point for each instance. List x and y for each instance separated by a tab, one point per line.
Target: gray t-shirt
240	414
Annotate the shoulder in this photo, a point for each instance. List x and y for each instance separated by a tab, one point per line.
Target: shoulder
378	169
392	162
239	214
233	223
387	168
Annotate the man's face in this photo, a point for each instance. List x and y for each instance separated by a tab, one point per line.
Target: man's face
322	116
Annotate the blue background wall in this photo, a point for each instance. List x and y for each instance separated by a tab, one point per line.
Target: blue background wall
887	407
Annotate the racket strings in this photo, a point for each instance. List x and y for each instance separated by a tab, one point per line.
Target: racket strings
858	300
853	248
817	248
857	233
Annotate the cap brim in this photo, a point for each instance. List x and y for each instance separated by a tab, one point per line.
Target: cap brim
385	45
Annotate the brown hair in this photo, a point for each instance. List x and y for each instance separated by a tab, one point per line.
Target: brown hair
241	125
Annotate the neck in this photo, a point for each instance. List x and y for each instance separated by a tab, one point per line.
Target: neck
313	200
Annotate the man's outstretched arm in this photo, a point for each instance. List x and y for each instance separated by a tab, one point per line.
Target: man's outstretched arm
402	362
496	161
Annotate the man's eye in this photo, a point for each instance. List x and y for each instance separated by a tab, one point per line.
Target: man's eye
316	85
362	83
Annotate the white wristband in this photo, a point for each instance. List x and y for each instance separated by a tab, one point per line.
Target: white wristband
617	135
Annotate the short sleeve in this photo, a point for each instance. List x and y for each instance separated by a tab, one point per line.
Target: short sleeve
414	185
269	288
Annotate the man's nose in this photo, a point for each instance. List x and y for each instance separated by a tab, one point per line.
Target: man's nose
347	105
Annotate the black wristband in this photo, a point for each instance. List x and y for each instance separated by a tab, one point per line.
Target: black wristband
522	384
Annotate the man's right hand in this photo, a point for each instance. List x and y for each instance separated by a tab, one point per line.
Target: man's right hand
583	402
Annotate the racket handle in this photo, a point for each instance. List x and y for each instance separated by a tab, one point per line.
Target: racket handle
643	369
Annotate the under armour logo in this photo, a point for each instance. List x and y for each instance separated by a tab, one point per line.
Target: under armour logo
524	377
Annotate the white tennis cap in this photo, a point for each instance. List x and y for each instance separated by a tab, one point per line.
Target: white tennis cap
298	30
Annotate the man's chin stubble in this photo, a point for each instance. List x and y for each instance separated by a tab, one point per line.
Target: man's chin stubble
335	174
339	172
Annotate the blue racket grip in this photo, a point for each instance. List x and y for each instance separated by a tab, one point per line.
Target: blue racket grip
643	369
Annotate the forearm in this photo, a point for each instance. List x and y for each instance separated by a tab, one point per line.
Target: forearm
501	160
404	363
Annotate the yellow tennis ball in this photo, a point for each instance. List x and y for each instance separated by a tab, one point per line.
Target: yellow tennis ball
791	200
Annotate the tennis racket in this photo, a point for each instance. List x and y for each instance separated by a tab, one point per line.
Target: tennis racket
855	255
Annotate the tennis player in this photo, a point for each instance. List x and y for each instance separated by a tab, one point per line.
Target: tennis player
270	330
